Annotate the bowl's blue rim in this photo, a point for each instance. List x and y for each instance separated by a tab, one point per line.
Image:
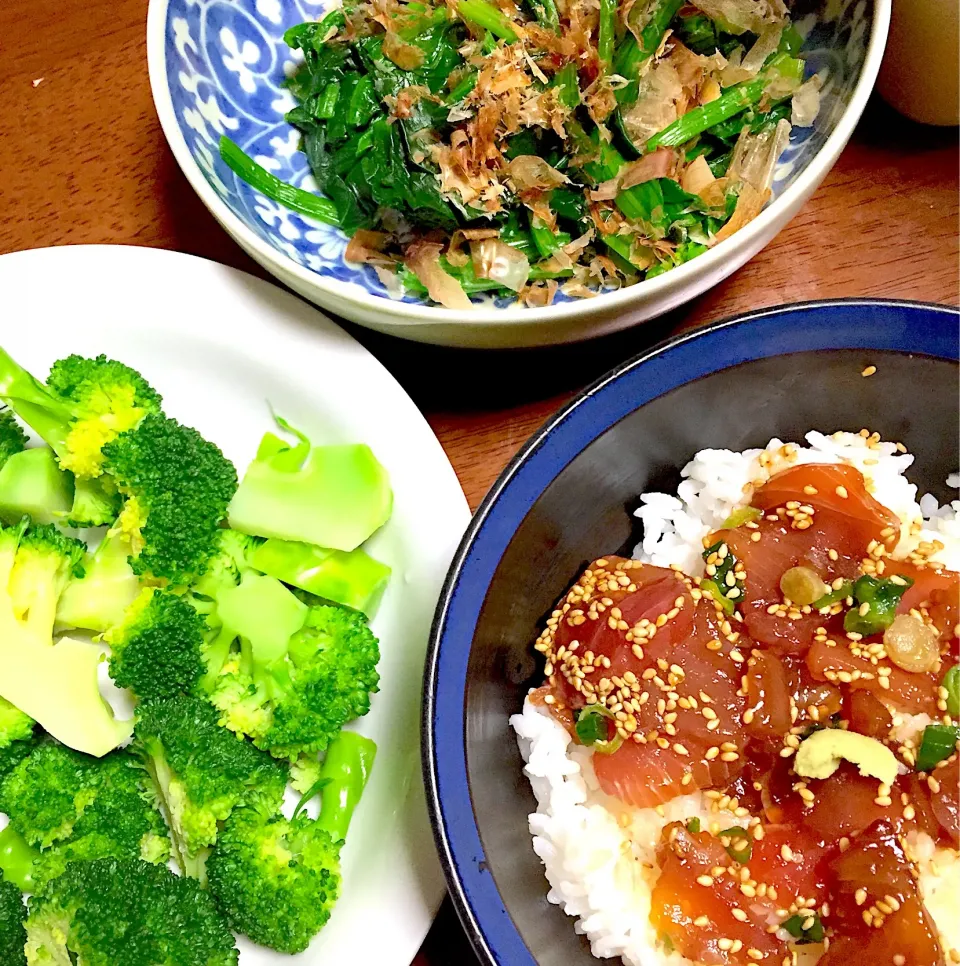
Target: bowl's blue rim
915	328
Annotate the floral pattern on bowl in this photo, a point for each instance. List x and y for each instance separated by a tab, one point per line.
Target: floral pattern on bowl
227	64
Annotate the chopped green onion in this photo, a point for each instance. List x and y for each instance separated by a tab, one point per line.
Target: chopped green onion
878	599
740	845
693	825
951	682
296	199
713	589
593	729
795	926
844	591
719	584
740	516
938	742
482	14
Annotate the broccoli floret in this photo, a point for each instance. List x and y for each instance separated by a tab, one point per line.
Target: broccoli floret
124	912
13	936
157	651
96	503
177	487
45	560
298	703
277	879
12	438
14	753
99	599
202	772
14	725
225	569
85	404
74	807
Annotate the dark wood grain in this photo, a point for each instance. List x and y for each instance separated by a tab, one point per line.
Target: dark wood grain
83	160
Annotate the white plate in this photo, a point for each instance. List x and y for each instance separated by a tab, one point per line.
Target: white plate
218	344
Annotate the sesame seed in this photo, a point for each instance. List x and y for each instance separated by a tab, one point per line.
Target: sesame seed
701	921
705	880
739	914
841	491
869	371
754	953
860	896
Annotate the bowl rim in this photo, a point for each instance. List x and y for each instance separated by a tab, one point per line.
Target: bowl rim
662	287
760	334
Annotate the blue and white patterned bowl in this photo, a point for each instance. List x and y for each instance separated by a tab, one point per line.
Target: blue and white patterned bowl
219	66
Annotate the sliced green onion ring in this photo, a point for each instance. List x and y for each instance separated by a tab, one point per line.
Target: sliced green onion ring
592	723
740	847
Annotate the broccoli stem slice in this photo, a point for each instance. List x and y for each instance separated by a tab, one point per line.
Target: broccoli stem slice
346	769
296	199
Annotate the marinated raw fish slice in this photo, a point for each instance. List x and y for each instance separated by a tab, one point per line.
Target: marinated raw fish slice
694	899
841	806
662	656
934	806
807	523
867	715
767	717
837	488
945	802
834	660
816	701
936	592
876	909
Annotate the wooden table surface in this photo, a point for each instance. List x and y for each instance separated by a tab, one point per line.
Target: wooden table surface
83	160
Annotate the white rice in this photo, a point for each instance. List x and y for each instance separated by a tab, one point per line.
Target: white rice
598	854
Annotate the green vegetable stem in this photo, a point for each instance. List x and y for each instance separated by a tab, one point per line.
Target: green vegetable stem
296	199
345	773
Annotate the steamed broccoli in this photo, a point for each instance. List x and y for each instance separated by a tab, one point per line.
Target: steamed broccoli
330	496
85	404
157	650
45	559
124	912
176	486
202	772
295	702
99	599
96	503
12	934
14	753
73	807
277	880
12	438
55	684
14	724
